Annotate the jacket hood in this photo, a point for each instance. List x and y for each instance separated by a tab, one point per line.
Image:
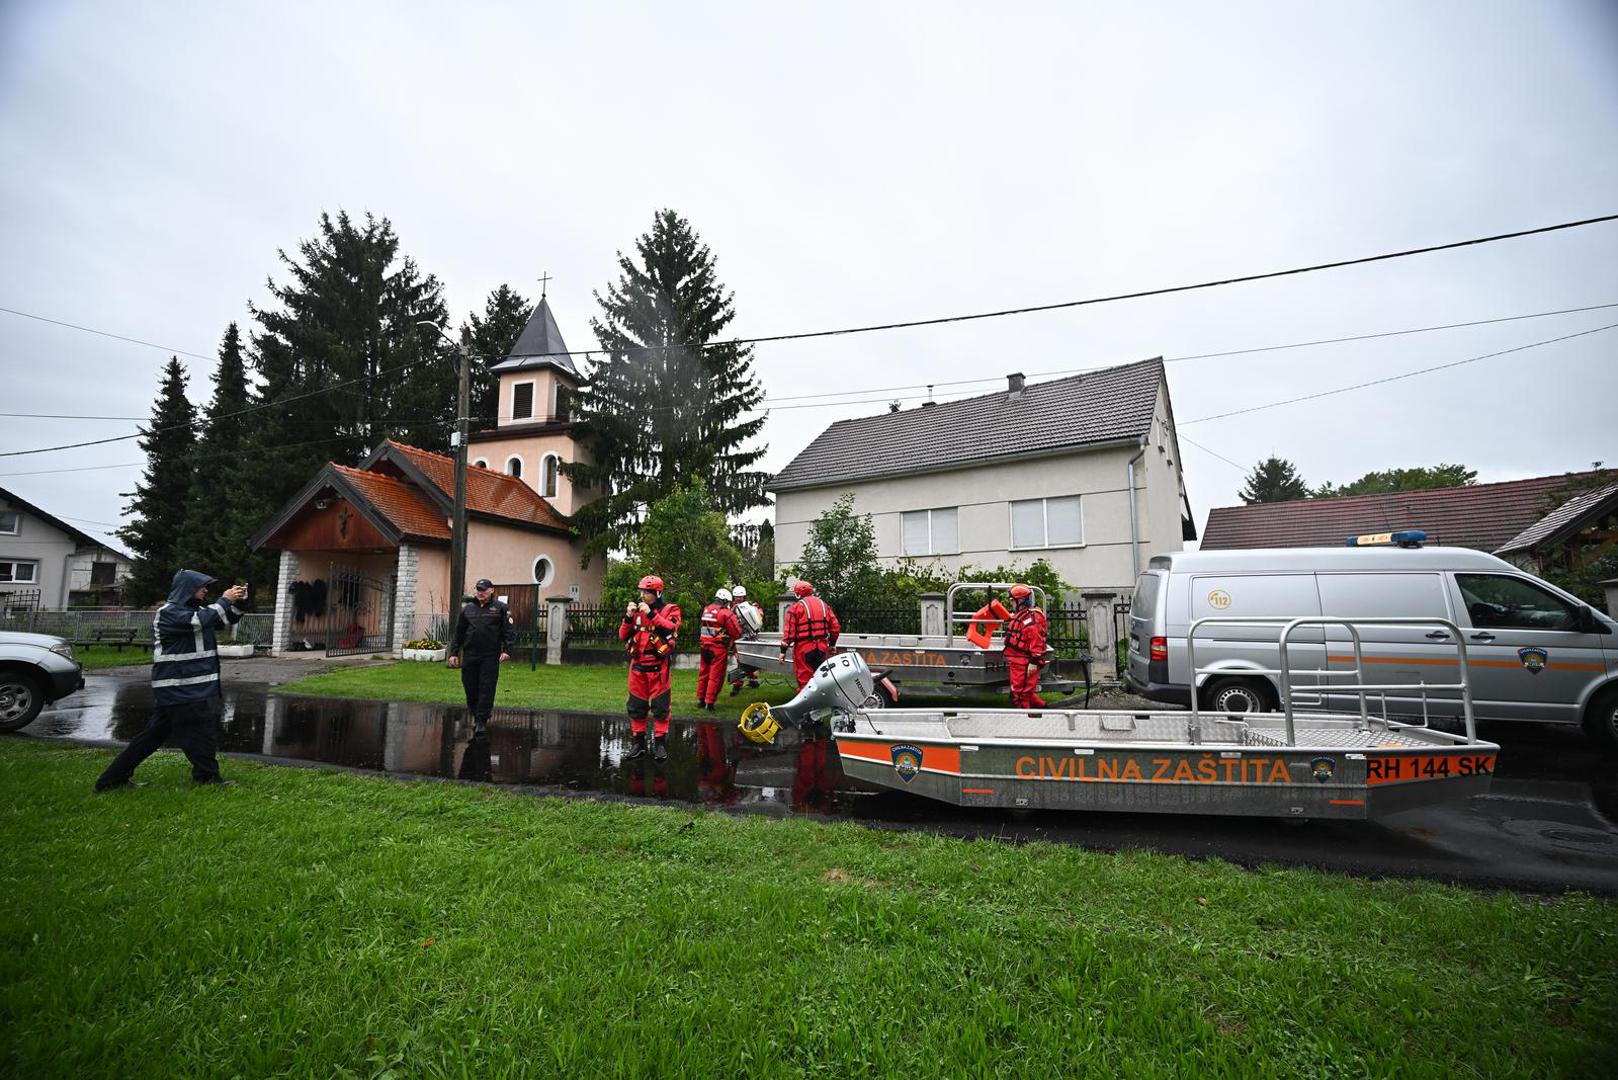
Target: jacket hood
186	584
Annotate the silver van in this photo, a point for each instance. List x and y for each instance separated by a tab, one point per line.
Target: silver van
1534	652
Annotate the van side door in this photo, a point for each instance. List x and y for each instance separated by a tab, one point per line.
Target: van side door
1393	653
1238	648
1529	660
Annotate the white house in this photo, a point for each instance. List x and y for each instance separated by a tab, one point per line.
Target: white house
47	563
1083	472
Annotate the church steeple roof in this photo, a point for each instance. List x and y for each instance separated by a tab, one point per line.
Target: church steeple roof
539	345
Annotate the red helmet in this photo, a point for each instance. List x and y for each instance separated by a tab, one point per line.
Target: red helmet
651	582
803	588
1019	590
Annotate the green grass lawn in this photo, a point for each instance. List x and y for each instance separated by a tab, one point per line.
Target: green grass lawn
305	923
593	688
96	657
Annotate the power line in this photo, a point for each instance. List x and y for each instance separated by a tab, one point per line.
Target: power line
1396	378
198	457
103	333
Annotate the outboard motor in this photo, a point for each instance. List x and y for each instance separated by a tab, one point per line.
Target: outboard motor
841	685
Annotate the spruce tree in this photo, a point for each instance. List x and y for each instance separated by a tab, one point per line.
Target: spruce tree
659	409
223	514
157	508
1273	480
491	338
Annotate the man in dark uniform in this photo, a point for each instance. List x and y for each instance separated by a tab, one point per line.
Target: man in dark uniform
484	638
185	681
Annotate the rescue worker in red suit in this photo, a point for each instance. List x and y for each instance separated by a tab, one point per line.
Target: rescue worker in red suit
715	772
1025	648
810	630
648	632
720	629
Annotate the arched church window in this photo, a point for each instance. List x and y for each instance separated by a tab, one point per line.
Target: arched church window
480	463
549	470
514	467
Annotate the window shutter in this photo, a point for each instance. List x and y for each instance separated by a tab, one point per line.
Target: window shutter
522	401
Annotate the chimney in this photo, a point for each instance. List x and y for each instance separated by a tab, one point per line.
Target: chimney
929	402
1014	386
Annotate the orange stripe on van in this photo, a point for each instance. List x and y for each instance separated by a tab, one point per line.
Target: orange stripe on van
1431	661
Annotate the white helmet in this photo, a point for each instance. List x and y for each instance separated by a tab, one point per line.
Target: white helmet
739	592
722	594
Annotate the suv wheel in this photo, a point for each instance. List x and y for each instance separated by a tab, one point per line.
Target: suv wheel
21	698
1235	696
1601	719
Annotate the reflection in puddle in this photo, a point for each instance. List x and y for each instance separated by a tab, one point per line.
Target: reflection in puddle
709	762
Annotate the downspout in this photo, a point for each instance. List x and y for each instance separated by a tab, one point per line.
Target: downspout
1134	520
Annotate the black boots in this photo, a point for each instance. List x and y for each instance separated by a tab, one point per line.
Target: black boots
638	747
660	748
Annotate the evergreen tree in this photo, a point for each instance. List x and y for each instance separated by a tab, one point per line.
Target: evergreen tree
1273	480
491	338
659	409
222	513
157	506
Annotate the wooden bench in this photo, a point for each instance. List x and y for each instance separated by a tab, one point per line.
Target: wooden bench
118	639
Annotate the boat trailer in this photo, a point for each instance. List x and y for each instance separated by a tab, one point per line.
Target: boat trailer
1346	765
941	661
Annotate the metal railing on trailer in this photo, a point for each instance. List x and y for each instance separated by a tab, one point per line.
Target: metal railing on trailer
1362	690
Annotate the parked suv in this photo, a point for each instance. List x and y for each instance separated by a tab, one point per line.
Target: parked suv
35	670
1534	652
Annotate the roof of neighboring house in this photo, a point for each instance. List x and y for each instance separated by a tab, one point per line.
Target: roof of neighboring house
487	492
1482	516
1095	407
1564	519
78	534
404	505
539	345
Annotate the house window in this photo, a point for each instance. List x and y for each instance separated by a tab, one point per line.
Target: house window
481	463
514	467
548	472
522	401
544	571
103	573
1047	523
932	532
10	522
15	570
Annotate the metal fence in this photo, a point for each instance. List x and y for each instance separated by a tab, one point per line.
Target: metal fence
881	619
121	626
1068	632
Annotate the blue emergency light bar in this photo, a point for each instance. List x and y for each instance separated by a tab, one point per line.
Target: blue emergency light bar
1406	538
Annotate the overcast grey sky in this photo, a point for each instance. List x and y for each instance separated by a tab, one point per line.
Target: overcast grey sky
850	164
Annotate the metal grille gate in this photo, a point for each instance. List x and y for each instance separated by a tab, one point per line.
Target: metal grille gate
359	613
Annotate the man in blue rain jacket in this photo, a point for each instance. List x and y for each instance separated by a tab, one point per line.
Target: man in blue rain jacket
185	681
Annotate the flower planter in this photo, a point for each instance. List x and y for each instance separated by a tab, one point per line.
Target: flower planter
228	652
425	655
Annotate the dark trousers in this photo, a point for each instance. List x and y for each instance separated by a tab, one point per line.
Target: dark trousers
194	728
478	676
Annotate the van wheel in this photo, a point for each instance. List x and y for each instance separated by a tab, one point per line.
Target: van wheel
1601	720
1235	696
880	698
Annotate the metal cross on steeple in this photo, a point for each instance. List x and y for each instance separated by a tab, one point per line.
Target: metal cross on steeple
544	282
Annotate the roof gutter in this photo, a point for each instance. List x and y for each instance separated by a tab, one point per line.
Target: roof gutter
1134	520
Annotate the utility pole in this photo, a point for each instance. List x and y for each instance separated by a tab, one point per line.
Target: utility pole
457	550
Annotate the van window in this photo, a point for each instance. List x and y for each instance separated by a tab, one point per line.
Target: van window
1500	601
1143	604
1258	595
1395	596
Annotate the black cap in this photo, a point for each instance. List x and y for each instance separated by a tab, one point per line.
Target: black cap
485	583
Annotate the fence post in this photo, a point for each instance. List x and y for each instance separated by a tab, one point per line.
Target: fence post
933	615
555	627
782	602
281	627
1098	619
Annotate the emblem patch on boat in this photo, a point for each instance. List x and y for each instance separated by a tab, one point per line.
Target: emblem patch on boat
1321	769
1533	659
907	761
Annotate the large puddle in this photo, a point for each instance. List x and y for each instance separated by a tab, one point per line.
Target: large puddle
709	762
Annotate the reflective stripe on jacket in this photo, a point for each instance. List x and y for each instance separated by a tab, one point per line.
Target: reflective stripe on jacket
185	653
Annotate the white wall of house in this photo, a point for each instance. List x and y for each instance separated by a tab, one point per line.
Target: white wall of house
35	556
983	499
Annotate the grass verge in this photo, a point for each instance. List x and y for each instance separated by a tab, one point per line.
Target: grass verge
590	688
96	657
309	923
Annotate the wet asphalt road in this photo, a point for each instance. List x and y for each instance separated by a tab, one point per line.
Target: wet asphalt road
1549	823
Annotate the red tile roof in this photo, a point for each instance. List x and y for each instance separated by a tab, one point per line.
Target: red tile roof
1483	516
405	505
487	491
